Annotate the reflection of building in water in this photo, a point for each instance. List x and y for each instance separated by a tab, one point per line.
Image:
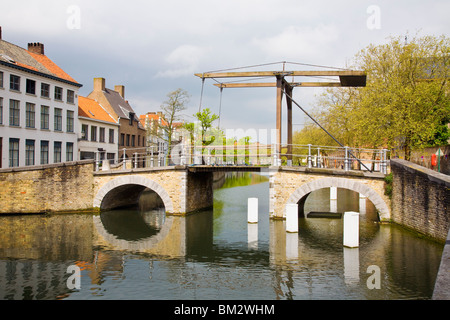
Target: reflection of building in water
36	251
33	279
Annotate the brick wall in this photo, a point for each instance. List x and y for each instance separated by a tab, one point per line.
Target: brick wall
421	199
49	188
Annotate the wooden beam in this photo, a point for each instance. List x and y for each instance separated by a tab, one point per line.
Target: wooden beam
289	120
274	84
278	116
328	73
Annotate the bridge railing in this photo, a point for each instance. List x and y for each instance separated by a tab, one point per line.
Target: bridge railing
311	156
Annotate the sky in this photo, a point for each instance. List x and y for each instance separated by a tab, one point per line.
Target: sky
155	47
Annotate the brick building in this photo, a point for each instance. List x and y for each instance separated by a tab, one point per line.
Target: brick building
131	132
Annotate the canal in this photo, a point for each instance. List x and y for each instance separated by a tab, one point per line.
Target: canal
214	254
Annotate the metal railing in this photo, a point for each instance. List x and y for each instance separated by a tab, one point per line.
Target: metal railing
310	156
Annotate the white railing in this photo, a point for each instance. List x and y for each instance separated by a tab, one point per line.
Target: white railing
310	156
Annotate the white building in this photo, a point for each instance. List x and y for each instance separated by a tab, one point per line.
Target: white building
38	108
99	132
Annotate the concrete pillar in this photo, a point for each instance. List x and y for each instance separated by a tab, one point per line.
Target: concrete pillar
292	218
252	210
106	165
351	229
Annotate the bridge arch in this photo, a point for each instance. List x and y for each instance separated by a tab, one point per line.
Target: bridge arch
112	193
300	194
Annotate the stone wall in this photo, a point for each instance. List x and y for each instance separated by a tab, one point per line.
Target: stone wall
48	188
421	199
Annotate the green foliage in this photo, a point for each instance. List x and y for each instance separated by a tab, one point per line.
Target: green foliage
388	186
405	104
206	119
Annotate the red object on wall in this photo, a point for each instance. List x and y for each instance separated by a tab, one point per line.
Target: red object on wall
433	160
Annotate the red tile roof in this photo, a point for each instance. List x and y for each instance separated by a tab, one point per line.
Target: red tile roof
89	108
51	66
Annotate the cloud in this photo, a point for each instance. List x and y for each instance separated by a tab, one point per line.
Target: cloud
183	61
299	42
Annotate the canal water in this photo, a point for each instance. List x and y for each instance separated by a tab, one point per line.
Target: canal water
214	254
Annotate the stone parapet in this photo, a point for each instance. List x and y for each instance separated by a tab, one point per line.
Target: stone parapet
421	199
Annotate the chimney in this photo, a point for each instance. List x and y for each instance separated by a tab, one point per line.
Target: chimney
36	47
99	84
120	90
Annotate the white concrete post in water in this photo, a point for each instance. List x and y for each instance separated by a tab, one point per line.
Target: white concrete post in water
292	218
252	214
351	229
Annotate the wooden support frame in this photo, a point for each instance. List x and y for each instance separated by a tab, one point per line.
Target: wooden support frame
347	78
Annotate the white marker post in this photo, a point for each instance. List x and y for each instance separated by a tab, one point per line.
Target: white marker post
292	218
252	213
351	229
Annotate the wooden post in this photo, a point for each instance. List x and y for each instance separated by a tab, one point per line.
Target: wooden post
288	89
279	101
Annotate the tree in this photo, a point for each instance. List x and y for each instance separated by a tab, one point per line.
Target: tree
171	110
405	103
206	119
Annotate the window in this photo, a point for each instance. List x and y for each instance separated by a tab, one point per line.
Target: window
1	79
111	135
122	139
69	151
111	157
14	113
30	86
45	117
14	82
131	115
102	135
84	131
30	115
57	152
70	121
133	140
139	141
58	93
45	90
29	152
70	96
44	152
93	133
58	119
128	140
13	152
1	110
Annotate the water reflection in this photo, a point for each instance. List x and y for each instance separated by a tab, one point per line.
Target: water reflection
214	254
133	225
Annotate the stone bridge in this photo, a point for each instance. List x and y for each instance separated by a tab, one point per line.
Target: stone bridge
182	189
187	189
